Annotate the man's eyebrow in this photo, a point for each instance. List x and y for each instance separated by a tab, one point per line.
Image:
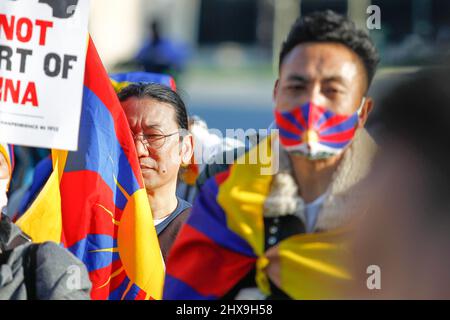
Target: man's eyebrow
151	126
300	78
296	77
339	79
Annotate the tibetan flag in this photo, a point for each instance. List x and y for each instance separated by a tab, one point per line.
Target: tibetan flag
223	241
122	80
94	202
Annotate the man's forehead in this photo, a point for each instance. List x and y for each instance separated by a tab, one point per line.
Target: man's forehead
153	113
324	60
148	105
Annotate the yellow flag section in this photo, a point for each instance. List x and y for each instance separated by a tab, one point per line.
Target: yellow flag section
43	220
312	266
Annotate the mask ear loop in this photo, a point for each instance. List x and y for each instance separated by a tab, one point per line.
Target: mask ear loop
361	106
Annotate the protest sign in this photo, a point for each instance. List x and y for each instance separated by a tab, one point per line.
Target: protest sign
43	47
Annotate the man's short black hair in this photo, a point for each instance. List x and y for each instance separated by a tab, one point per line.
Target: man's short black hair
328	26
159	93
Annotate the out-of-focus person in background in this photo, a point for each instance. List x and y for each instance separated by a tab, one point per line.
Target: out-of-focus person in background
256	220
158	120
31	271
159	54
405	236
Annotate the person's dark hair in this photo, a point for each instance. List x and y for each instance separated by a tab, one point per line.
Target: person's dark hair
328	26
159	93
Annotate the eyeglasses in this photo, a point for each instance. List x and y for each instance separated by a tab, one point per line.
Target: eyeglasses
156	140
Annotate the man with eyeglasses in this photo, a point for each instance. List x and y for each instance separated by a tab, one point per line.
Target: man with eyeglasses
158	121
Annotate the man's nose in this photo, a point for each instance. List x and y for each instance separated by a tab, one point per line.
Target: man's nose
141	149
315	95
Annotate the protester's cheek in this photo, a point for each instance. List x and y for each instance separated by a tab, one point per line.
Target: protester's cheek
168	161
173	156
287	99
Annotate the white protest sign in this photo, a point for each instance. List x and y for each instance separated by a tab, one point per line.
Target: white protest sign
43	47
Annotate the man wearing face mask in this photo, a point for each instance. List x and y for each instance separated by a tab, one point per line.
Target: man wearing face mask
280	234
30	271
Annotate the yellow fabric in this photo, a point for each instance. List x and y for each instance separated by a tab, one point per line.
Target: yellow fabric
43	220
314	266
242	197
119	85
59	158
138	257
305	266
261	277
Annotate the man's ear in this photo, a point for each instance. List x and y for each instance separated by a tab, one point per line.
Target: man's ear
187	149
275	89
365	111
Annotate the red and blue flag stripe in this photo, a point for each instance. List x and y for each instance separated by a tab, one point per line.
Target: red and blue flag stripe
207	259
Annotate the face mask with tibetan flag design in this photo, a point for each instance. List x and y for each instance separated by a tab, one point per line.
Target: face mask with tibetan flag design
316	132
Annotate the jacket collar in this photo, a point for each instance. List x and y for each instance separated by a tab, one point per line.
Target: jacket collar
341	196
